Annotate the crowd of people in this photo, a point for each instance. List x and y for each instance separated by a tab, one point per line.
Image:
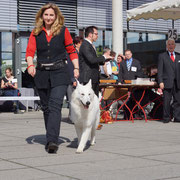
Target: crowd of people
121	68
61	60
110	69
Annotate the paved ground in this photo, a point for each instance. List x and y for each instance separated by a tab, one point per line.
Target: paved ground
123	151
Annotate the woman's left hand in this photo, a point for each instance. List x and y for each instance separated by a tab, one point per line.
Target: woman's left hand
76	73
116	72
74	84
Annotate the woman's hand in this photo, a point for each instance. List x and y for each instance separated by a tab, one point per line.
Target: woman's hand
76	73
31	71
74	84
76	68
161	85
160	91
115	72
31	68
10	84
6	84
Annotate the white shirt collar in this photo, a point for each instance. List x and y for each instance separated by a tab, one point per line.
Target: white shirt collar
88	41
170	53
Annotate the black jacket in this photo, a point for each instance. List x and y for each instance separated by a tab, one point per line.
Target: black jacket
169	71
89	63
134	72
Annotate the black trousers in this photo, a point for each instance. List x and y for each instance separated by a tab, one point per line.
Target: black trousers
51	102
95	87
168	94
149	96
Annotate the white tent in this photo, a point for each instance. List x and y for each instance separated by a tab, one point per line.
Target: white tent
161	9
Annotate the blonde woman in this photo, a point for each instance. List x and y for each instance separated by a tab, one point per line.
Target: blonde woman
51	39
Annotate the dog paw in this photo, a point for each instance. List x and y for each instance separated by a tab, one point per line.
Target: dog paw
79	151
92	143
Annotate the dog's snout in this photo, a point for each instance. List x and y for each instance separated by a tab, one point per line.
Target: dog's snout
87	103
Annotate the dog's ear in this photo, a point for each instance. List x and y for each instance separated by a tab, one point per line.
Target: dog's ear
79	85
89	83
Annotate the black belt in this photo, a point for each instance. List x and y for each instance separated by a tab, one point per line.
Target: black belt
51	66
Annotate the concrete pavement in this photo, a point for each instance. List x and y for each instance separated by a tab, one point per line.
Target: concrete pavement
124	151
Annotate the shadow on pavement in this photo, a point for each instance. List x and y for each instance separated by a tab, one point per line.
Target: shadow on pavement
67	120
41	139
74	144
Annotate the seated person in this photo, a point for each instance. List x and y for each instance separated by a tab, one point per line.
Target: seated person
155	113
10	87
114	66
149	96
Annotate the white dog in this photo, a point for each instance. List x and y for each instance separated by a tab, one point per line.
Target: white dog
85	114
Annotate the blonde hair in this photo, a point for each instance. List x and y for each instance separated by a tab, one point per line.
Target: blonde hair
56	26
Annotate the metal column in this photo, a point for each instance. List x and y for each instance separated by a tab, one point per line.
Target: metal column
17	59
117	25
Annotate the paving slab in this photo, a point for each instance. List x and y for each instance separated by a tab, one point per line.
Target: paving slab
123	151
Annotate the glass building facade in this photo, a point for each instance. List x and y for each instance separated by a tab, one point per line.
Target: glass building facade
18	21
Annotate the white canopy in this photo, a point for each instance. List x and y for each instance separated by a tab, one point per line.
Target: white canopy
161	9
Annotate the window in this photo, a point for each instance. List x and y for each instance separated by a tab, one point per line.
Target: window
6	50
24	42
99	43
135	37
108	39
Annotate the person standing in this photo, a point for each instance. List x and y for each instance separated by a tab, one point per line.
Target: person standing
106	69
88	60
130	68
120	58
77	41
51	39
169	81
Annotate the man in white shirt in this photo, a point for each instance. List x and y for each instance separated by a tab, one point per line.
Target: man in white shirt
106	69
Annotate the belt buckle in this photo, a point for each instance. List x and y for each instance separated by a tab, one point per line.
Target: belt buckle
46	68
49	64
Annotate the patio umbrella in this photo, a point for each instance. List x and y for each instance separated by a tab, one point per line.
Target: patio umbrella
161	9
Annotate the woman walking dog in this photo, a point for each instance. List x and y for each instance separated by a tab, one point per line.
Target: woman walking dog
51	39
